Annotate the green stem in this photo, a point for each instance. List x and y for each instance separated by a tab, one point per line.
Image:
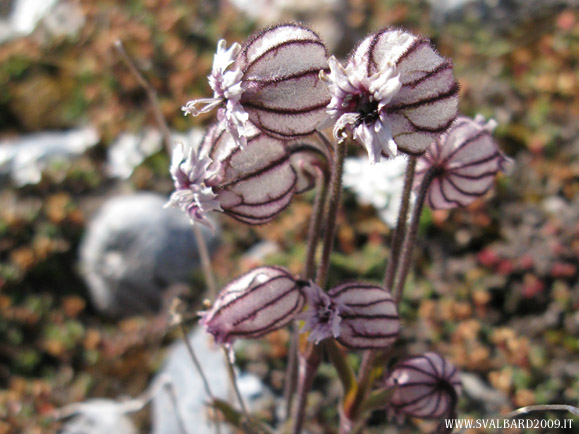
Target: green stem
344	370
399	232
351	407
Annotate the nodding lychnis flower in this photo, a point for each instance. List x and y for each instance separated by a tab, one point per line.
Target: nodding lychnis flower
272	81
252	185
396	93
259	302
461	164
358	315
426	386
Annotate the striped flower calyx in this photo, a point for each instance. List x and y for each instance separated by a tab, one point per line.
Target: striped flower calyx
396	93
462	164
371	320
426	386
358	315
254	304
273	81
256	183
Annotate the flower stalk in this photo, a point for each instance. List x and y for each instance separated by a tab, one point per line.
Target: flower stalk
409	241
309	362
310	359
331	211
400	231
233	380
312	243
315	224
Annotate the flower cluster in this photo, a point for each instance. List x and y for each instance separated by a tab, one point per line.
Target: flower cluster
394	94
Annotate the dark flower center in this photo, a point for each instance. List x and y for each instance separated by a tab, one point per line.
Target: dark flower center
326	312
366	107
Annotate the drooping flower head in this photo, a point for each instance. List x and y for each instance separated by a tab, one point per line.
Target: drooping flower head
252	185
426	386
462	163
190	171
358	315
256	303
371	319
272	81
396	93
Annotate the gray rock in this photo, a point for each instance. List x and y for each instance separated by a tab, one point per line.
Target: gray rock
23	159
134	249
189	393
98	416
53	17
130	150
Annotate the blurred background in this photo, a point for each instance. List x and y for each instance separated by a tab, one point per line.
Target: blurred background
85	276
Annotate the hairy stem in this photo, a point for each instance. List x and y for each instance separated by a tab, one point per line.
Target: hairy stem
315	224
399	232
310	360
331	213
291	376
312	243
410	239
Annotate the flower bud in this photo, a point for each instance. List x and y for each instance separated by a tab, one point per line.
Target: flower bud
358	315
257	303
462	162
396	93
426	386
273	81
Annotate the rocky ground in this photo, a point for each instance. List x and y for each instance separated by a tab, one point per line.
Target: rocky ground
495	287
